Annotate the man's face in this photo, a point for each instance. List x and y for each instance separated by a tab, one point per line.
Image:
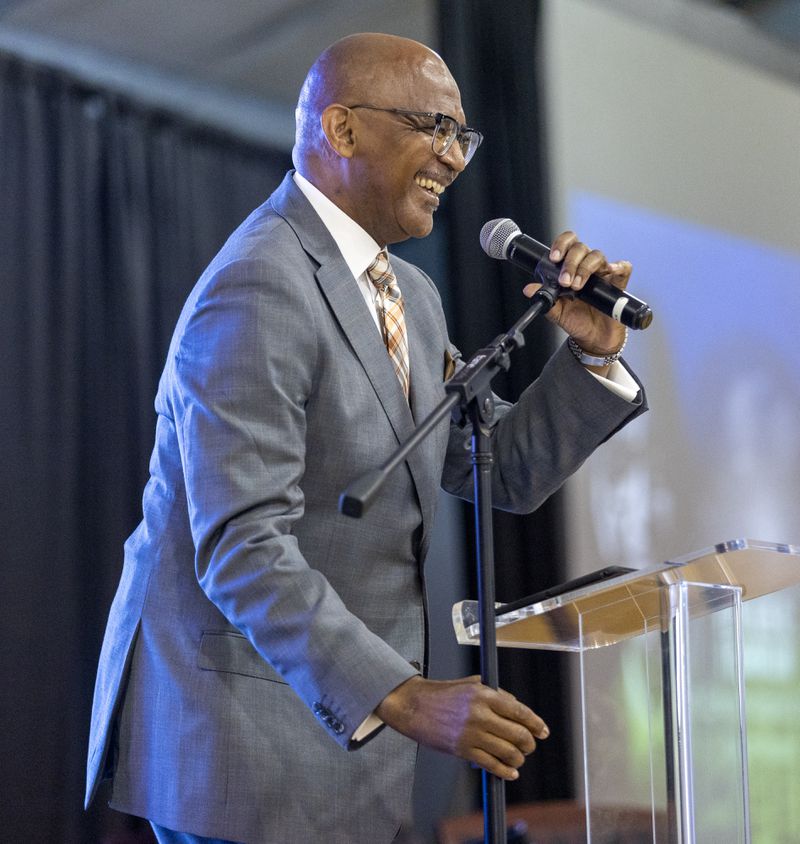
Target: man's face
395	173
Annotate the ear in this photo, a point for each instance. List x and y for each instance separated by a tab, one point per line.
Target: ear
337	124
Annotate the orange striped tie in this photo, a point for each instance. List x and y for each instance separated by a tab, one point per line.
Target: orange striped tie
390	311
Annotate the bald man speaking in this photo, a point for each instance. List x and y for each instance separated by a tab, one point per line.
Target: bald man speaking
261	678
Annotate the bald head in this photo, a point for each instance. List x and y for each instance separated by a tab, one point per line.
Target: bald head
365	129
368	67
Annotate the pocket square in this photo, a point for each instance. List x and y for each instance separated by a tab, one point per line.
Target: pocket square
449	365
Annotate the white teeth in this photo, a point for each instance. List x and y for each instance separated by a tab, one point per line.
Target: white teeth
430	184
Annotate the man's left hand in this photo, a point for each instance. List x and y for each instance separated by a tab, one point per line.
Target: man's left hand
594	332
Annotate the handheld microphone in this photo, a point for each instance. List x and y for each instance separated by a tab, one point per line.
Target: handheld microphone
502	239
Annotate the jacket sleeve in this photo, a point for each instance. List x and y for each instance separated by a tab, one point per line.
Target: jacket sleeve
559	420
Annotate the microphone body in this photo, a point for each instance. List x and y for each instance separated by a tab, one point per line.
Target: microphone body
502	239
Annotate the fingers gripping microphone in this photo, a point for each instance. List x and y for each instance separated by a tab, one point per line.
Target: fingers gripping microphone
503	239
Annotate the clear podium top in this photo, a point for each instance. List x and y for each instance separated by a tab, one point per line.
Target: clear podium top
625	606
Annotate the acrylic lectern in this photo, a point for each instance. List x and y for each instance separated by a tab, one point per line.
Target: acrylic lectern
661	685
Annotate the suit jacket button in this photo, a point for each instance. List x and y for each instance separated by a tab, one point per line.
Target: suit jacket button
328	718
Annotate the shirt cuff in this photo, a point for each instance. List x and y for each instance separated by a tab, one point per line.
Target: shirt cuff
366	727
619	381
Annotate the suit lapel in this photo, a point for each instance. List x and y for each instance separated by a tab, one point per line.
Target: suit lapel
426	357
350	310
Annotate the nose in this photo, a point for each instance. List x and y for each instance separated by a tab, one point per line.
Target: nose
454	158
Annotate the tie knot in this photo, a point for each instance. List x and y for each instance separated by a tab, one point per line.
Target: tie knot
380	271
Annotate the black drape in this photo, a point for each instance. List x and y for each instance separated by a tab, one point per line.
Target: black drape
108	213
493	52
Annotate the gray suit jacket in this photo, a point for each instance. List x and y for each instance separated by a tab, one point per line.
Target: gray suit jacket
255	628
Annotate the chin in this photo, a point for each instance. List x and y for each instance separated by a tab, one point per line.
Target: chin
419	228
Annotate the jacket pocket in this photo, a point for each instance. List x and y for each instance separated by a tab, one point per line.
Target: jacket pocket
221	650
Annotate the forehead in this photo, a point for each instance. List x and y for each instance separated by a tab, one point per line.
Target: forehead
424	86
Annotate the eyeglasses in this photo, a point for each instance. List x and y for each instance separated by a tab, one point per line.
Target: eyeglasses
445	130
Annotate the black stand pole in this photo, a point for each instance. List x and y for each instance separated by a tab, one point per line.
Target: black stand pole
494	794
470	389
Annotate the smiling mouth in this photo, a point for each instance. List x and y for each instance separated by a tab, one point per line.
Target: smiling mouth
430	185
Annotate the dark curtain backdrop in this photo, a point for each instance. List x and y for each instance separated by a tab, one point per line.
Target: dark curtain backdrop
108	212
493	52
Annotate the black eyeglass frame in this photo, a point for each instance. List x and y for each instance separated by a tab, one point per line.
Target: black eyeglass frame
438	116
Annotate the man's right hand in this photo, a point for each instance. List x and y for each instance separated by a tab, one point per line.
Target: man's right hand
488	727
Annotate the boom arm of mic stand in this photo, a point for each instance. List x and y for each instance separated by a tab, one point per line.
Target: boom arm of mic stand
471	380
357	498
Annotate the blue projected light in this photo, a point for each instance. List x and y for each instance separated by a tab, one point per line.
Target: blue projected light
708	289
721	359
724	328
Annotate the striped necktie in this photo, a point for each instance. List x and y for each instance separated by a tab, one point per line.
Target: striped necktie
390	312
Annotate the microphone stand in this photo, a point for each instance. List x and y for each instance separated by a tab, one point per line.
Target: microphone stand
469	390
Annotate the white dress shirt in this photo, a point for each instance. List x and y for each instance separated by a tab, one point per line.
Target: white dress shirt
357	247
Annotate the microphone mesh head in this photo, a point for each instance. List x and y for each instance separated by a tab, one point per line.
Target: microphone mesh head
496	235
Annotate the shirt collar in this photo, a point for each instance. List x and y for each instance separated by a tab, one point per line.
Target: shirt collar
357	247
